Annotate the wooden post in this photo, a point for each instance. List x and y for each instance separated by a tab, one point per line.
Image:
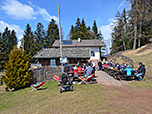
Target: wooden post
60	35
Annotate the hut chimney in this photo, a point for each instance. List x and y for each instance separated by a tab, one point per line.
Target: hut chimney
79	39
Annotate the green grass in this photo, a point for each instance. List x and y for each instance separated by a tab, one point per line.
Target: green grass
84	99
1	72
142	84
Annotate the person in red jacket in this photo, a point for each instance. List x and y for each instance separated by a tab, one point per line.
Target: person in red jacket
79	70
75	71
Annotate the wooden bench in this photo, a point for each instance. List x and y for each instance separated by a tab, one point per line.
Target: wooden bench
121	74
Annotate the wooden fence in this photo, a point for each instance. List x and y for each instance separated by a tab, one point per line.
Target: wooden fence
1	82
125	58
44	74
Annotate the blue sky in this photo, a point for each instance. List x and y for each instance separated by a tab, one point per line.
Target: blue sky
17	13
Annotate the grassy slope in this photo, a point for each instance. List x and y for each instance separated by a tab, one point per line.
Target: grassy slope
142	84
84	99
145	58
143	54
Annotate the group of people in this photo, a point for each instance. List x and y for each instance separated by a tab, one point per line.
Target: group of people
87	69
125	67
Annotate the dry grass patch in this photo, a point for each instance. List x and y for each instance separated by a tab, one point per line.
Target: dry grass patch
144	55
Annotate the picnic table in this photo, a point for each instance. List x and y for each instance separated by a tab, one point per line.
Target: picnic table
120	74
71	75
110	70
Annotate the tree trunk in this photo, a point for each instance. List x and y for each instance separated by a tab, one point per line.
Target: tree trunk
135	35
135	29
139	42
124	45
139	39
125	36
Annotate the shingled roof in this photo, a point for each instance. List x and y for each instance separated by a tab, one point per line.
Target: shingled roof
83	43
67	52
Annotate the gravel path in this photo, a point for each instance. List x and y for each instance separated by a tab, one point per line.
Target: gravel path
105	79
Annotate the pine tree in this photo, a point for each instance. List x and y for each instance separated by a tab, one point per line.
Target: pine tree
95	29
6	47
117	42
140	15
29	45
39	36
52	34
77	27
1	49
75	31
133	28
88	28
83	34
81	30
13	39
83	27
72	30
100	35
17	74
7	40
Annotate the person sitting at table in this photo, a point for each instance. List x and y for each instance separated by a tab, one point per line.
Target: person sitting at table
141	71
84	66
75	71
121	67
89	70
110	63
129	71
71	69
79	69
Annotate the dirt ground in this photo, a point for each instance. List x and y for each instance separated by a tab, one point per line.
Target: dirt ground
131	100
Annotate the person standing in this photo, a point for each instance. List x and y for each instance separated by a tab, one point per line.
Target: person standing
93	65
99	65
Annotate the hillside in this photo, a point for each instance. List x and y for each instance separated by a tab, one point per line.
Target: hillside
144	55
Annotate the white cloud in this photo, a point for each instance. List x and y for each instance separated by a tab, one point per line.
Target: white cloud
44	13
124	4
106	30
121	4
18	10
18	30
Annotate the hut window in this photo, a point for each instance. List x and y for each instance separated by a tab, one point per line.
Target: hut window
52	62
92	53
